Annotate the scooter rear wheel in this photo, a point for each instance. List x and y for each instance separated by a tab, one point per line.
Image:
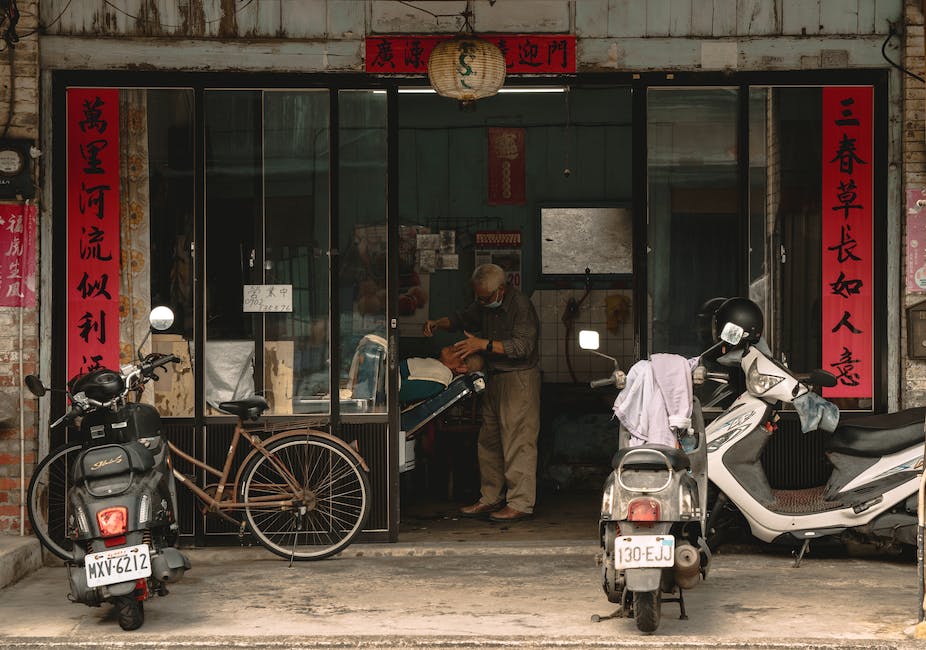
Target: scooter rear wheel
647	610
47	500
131	612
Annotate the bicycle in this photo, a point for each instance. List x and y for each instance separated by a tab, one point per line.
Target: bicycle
304	493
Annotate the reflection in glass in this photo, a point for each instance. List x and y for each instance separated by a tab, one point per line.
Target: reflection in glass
363	239
694	230
233	217
159	136
295	234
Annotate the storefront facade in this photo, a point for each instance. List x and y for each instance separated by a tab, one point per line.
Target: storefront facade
273	187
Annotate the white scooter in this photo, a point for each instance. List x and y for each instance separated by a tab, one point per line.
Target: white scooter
871	495
653	517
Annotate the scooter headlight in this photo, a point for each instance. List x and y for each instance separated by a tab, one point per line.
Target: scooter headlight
757	383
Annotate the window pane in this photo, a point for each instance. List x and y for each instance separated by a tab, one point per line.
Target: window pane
234	187
296	368
156	190
694	230
363	240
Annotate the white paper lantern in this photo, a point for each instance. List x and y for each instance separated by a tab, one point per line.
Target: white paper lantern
466	68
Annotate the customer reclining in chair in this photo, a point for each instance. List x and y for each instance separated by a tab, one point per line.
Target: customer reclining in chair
424	377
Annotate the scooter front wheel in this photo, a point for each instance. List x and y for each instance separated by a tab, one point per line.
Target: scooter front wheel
647	610
47	500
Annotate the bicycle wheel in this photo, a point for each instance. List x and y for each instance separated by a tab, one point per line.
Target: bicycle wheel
49	509
330	474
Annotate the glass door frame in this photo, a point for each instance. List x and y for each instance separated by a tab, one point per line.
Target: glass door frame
199	83
878	79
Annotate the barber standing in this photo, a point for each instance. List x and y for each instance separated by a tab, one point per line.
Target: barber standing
507	448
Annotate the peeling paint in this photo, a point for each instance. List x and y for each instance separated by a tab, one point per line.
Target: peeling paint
194	19
148	21
228	24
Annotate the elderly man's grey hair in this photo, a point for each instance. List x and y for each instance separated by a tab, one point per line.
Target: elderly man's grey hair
488	277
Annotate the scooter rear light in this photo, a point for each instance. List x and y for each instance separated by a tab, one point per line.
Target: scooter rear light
114	541
643	510
113	521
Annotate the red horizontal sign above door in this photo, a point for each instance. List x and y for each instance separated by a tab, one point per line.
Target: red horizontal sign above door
524	53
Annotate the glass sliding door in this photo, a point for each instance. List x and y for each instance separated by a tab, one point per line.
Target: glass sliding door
295	243
363	242
694	235
266	238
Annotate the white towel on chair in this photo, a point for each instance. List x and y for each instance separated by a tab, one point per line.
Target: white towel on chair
427	369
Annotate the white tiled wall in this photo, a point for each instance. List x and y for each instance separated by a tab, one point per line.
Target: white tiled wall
551	305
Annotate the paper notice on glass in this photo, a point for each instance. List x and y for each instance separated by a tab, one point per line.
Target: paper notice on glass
268	297
448	242
428	242
427	260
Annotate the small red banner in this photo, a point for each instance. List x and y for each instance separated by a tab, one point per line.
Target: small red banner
17	255
506	166
524	53
848	213
93	229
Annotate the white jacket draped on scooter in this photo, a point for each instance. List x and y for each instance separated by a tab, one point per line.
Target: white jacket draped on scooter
656	397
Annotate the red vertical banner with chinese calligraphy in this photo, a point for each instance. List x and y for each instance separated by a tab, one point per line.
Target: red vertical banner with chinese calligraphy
848	214
506	167
93	229
17	254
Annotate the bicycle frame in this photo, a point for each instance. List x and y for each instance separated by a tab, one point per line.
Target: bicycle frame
217	502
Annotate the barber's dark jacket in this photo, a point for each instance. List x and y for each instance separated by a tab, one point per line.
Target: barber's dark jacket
514	324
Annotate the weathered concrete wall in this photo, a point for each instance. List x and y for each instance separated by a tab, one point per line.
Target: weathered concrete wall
19	119
320	35
913	389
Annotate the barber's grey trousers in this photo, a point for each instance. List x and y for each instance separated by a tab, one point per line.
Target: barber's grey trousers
508	439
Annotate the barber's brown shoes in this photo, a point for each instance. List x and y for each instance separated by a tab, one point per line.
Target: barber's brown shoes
480	509
509	514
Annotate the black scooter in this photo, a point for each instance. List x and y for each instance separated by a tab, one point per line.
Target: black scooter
121	499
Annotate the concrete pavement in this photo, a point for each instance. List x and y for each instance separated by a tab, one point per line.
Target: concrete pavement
476	595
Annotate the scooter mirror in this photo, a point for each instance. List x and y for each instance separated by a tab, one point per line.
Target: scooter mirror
161	318
822	378
35	385
732	333
588	340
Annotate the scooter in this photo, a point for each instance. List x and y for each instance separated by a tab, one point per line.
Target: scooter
122	498
653	518
871	494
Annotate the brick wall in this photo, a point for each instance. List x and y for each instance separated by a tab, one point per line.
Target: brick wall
913	386
21	120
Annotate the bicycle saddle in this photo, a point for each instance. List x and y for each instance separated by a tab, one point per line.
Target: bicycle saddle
249	408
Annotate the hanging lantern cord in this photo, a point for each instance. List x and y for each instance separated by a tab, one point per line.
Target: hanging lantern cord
467	27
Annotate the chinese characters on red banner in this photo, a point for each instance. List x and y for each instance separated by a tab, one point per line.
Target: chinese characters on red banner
17	255
847	240
93	229
506	166
524	53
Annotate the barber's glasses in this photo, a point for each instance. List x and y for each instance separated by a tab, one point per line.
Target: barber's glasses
485	300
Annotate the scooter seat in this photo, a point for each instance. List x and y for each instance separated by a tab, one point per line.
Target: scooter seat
250	407
878	435
651	457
